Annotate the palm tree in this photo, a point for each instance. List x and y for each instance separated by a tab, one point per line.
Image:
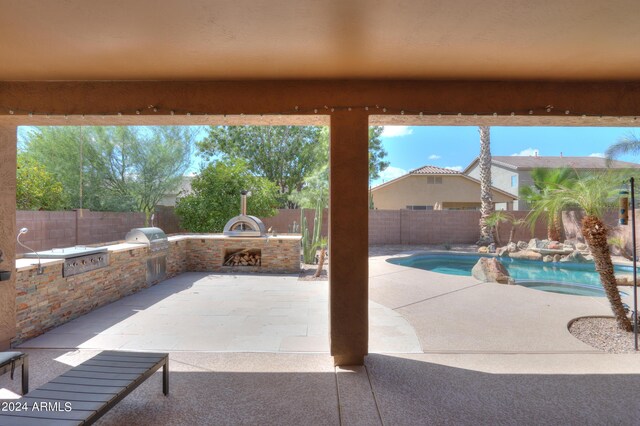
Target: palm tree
486	201
629	144
548	178
496	218
515	223
594	193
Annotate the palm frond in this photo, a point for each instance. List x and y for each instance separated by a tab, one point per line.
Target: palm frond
629	144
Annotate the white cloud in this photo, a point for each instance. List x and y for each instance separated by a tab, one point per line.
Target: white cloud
434	157
456	168
597	154
396	131
527	152
391	173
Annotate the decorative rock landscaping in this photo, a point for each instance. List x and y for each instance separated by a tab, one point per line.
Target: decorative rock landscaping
491	270
543	250
526	254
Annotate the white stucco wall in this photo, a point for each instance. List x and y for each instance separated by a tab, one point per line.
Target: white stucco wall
501	179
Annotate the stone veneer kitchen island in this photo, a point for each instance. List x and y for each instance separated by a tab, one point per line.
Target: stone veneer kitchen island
48	300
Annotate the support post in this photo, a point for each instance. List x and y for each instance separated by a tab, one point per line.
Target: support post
348	237
632	181
8	152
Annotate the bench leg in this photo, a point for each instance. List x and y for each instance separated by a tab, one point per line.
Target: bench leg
25	375
165	378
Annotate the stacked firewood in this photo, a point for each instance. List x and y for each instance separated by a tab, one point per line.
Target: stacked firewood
242	258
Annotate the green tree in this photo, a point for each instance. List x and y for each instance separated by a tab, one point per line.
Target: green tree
377	153
501	216
293	157
544	178
58	150
216	196
494	220
285	155
114	168
37	189
314	191
593	193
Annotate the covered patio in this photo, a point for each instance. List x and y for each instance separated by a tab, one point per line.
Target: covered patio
346	64
444	349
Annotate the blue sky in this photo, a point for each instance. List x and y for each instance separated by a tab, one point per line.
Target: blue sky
410	147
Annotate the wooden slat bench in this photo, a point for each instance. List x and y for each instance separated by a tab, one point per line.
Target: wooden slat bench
10	360
85	393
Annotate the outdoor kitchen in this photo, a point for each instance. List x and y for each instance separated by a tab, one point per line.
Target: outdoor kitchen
58	285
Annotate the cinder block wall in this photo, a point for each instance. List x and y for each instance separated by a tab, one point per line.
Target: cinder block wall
103	227
572	221
63	229
49	230
46	229
439	227
165	217
285	218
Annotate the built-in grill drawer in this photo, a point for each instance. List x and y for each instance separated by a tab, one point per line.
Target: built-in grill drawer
158	244
156	269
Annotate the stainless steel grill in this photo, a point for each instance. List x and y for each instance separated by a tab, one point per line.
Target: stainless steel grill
244	225
154	238
77	259
158	244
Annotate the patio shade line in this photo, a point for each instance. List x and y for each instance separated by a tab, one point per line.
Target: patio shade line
435	297
373	392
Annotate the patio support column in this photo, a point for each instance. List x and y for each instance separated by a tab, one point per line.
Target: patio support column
8	141
348	237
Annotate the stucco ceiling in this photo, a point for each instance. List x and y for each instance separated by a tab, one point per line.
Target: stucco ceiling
309	39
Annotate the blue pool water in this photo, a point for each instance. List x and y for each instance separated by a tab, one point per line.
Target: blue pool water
566	278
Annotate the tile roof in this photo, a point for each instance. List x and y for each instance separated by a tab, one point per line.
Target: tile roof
529	162
433	170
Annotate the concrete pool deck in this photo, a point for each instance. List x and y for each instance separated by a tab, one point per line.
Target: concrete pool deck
489	354
458	314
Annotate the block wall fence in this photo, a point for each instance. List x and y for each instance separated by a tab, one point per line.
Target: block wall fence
387	226
68	228
48	230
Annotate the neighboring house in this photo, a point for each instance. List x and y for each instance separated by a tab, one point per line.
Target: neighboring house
434	188
184	188
510	173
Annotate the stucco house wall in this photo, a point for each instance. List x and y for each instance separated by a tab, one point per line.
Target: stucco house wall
414	190
501	178
504	168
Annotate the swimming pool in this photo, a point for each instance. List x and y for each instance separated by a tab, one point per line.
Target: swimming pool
565	278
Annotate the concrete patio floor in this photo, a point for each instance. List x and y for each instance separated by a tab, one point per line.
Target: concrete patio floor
414	389
199	311
449	351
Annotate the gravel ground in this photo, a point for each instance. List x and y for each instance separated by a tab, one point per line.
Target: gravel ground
308	271
603	334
